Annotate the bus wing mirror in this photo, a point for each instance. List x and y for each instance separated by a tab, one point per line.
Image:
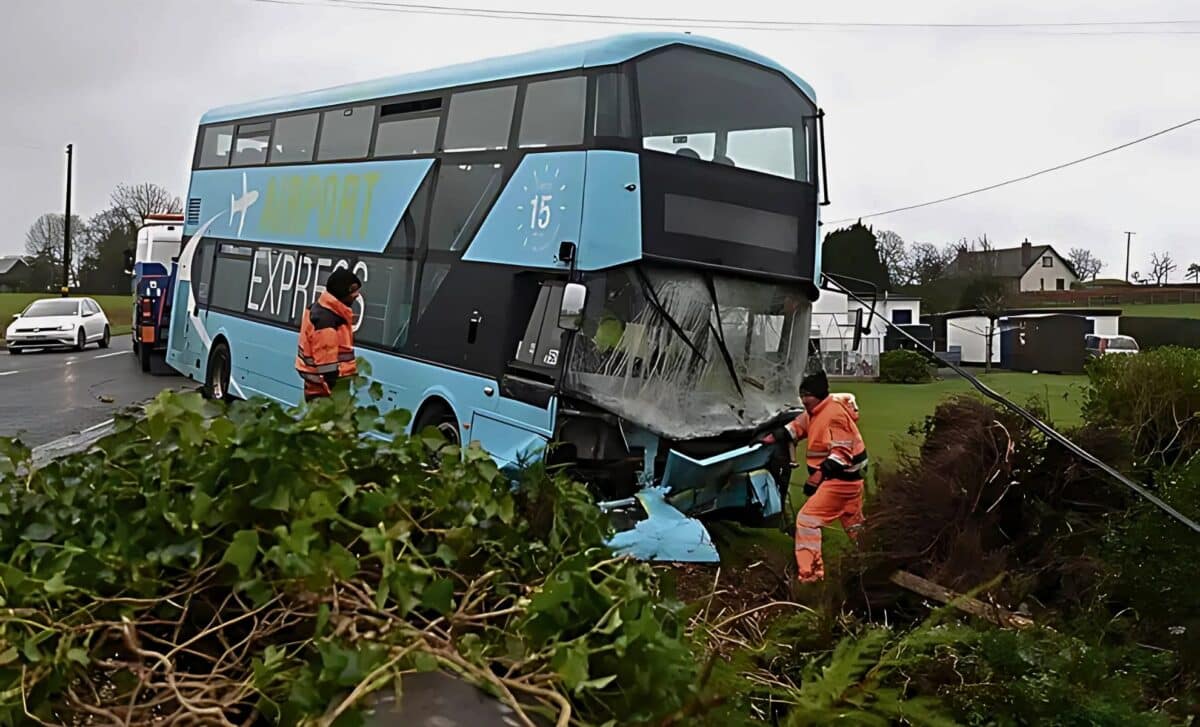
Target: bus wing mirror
570	313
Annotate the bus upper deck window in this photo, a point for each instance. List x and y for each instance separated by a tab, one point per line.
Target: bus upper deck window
724	110
295	138
346	133
480	120
214	151
408	128
614	106
553	112
251	144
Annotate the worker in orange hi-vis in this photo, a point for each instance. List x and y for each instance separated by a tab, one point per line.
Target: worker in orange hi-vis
837	461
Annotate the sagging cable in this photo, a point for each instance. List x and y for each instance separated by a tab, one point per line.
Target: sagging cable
1040	425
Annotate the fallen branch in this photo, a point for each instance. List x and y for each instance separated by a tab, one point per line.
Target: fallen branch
973	606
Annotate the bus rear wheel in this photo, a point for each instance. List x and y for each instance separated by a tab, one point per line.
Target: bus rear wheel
216	378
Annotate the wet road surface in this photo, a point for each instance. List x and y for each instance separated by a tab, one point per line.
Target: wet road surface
45	395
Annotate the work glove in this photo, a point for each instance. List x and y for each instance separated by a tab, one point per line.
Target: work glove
773	436
813	482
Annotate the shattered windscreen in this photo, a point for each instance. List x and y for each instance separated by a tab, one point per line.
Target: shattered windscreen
690	354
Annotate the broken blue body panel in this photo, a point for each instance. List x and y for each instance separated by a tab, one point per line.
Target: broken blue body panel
733	480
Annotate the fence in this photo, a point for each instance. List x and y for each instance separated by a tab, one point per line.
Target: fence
1155	332
839	358
1115	296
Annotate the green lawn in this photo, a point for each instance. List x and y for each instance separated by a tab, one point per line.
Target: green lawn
1162	310
888	410
118	308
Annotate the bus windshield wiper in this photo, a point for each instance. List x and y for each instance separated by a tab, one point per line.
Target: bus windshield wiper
652	297
719	333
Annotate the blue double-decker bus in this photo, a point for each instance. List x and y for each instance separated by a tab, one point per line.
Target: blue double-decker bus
611	246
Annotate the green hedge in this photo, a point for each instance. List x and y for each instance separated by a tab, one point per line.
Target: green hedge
904	367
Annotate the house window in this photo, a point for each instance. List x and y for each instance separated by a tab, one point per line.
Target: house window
1047	261
1041	283
902	317
1060	284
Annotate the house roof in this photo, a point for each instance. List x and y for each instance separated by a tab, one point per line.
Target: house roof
1002	263
10	262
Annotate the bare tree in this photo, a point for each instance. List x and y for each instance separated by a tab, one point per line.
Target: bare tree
927	263
1193	272
136	201
1161	267
44	243
894	256
1087	266
992	304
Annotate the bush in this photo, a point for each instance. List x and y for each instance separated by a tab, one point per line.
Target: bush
904	367
270	564
1154	397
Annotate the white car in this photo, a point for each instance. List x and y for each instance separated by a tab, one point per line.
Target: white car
58	323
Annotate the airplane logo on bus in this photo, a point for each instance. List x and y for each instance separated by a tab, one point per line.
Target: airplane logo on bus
241	205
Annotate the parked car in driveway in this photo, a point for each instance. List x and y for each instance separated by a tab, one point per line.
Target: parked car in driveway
58	323
1097	345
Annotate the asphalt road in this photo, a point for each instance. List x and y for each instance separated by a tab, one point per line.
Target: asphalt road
45	395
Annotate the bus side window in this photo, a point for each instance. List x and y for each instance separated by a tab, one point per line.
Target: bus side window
480	120
614	106
553	113
215	148
201	267
294	139
346	133
251	144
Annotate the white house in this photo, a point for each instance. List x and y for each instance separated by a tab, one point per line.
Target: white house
1026	268
968	330
833	320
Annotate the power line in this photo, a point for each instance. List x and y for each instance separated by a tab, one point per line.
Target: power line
1021	178
1099	27
1042	426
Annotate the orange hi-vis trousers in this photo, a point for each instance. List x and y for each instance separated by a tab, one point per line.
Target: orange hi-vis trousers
833	500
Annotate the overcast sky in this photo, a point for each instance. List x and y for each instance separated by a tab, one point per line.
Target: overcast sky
913	114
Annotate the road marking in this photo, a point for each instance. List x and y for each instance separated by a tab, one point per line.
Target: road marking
101	425
8	373
109	355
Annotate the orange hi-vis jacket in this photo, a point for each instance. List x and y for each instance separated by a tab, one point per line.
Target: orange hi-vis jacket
326	351
834	444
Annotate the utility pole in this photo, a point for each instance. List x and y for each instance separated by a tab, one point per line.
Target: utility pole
1128	238
66	286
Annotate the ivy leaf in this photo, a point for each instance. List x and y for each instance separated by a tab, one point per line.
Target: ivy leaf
77	655
38	532
242	552
571	663
438	596
9	655
57	585
423	661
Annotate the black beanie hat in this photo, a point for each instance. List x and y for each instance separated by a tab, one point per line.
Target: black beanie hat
816	384
340	281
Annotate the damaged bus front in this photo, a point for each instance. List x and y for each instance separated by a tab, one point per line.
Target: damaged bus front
675	361
671	373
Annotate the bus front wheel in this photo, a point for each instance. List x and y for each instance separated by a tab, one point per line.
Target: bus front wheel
440	417
216	378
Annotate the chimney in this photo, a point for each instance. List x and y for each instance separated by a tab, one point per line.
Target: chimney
1026	254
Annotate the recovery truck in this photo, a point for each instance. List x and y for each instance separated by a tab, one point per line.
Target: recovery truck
151	264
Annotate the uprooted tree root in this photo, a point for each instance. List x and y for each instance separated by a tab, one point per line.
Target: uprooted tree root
985	495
